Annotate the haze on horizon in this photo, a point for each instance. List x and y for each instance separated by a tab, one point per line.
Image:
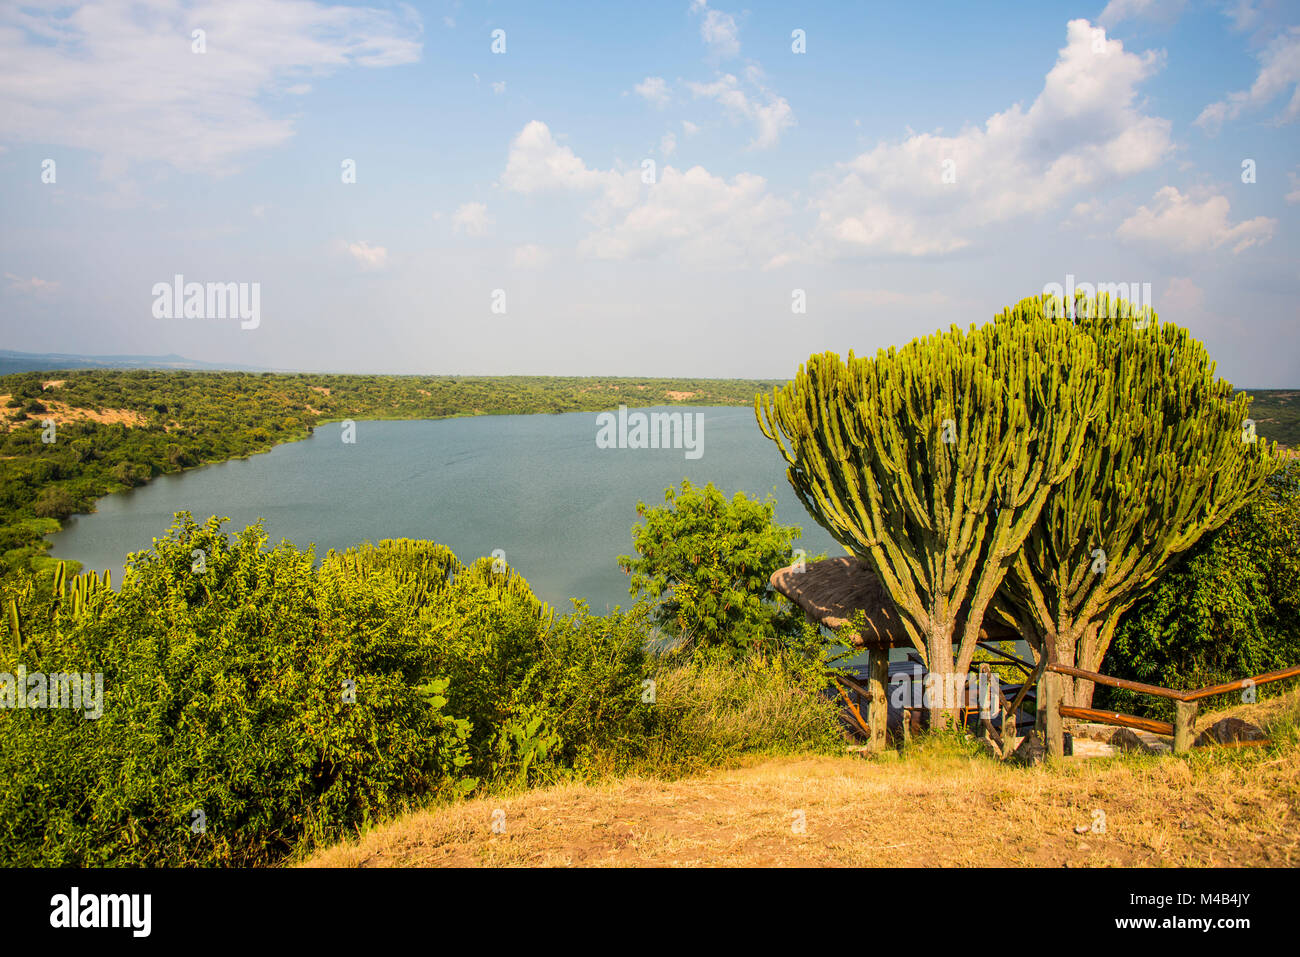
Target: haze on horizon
896	169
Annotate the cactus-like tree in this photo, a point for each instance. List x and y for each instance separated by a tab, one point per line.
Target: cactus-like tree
931	463
1171	457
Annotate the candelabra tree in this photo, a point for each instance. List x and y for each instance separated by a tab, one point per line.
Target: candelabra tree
1171	457
931	463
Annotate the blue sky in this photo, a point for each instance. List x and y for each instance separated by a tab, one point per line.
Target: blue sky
919	165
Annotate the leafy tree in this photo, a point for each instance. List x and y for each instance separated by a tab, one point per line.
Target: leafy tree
56	502
703	565
1230	608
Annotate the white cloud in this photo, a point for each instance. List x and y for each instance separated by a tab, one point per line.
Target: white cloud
1242	14
1279	72
696	218
1181	223
718	30
1090	209
690	215
668	145
654	90
370	257
770	114
537	163
1162	11
1181	297
893	199
499	87
34	286
120	78
472	219
1294	195
689	128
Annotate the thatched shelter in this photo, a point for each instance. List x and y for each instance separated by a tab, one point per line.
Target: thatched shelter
833	590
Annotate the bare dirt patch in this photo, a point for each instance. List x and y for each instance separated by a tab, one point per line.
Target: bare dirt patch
681	396
62	413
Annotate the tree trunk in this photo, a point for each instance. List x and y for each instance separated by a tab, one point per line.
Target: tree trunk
940	680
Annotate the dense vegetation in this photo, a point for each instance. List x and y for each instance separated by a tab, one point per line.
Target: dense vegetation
1230	608
116	429
254	703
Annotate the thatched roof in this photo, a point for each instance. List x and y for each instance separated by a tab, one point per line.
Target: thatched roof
830	591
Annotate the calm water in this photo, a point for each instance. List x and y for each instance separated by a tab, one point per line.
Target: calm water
535	486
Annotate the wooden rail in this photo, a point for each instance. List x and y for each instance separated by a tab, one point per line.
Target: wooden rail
1138	686
1184	727
1241	683
1170	693
1117	718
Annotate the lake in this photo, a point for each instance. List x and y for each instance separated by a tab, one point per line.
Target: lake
535	486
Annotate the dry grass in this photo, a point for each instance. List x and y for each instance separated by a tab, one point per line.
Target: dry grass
936	806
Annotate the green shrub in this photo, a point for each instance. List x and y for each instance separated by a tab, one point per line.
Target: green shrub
703	565
225	694
712	711
1231	609
55	502
286	703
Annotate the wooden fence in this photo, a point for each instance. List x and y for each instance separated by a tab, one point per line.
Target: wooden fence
1183	730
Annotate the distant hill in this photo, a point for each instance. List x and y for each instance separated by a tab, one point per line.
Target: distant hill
1277	415
43	361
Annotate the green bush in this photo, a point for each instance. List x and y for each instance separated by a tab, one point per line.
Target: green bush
1231	609
713	711
224	694
290	704
703	565
254	703
55	502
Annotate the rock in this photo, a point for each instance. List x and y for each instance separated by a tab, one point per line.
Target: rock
1229	731
1082	828
1126	739
1031	752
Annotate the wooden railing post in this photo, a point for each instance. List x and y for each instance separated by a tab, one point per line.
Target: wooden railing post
1184	725
984	702
1010	740
1050	704
877	682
